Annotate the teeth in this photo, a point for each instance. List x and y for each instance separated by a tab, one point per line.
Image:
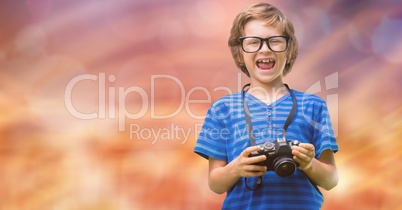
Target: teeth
265	61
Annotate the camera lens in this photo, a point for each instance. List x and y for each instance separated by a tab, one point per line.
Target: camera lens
284	166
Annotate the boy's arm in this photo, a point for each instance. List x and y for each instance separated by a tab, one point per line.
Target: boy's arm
321	171
223	176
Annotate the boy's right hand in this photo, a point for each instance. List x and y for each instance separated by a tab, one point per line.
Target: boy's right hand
223	176
243	164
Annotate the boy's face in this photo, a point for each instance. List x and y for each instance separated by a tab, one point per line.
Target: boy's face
265	67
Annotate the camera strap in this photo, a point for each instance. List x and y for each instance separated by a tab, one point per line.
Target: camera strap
248	118
250	126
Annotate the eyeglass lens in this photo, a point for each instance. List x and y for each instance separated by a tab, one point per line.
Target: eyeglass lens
253	44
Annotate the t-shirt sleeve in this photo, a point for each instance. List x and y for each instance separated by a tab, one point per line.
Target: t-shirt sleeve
214	134
324	137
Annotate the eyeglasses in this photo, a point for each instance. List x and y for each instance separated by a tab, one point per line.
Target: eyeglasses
251	44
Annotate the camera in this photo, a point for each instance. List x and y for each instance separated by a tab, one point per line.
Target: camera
279	156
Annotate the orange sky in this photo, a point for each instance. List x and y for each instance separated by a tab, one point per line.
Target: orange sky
143	74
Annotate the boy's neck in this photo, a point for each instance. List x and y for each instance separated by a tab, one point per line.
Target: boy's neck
268	92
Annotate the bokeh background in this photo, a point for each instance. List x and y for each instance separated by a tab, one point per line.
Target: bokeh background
146	73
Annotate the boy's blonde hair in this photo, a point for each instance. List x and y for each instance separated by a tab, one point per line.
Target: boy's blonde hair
273	17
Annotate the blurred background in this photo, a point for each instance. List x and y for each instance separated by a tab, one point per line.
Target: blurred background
101	101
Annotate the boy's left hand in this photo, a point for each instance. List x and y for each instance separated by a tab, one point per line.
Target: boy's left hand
304	154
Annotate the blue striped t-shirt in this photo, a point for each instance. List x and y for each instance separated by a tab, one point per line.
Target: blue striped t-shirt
224	136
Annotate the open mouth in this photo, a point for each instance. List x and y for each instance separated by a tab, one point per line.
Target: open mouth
265	64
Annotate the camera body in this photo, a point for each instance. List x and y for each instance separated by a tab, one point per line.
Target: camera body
279	156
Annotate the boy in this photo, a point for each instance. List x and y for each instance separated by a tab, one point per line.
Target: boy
264	47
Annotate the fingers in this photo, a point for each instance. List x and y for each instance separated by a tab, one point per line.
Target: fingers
303	154
249	150
307	146
246	165
254	159
251	170
304	150
302	159
254	170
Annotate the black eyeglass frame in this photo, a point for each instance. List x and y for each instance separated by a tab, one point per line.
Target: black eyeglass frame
262	40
